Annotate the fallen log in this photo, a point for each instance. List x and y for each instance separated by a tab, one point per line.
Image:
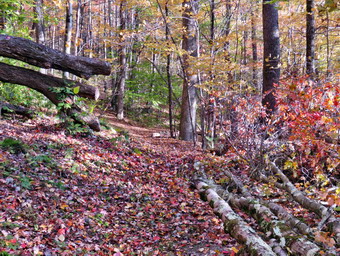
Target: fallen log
270	224
7	108
45	57
44	83
326	215
278	210
233	223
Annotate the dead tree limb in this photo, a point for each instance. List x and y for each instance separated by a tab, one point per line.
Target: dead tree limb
44	83
270	224
234	224
323	212
7	108
45	57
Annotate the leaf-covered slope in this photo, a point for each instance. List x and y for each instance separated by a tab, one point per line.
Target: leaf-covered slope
105	194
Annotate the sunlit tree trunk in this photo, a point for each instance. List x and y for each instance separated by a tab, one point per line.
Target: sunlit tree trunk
122	62
168	73
39	26
68	31
2	20
78	26
271	53
254	43
39	23
310	37
189	98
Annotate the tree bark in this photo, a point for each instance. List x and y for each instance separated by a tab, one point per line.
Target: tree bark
122	62
234	224
7	108
189	98
68	31
39	23
254	43
43	84
271	53
268	221
310	37
78	26
45	57
323	212
168	73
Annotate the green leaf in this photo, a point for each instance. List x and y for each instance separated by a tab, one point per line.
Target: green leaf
76	90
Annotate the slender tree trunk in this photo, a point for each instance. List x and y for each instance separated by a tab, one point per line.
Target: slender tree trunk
328	48
254	44
39	23
271	54
310	37
39	26
189	98
122	62
2	20
78	26
68	32
211	99
168	73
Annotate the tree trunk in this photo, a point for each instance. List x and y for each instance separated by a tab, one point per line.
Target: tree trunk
43	84
323	212
45	57
68	32
189	98
168	73
271	53
234	224
310	37
7	108
78	26
122	62
254	44
268	221
39	23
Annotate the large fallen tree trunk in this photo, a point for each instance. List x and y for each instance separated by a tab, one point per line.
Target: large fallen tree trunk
44	83
269	223
233	223
323	212
7	108
295	224
45	57
278	210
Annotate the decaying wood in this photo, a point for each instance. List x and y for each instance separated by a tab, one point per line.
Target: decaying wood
269	223
43	83
278	210
7	108
45	57
323	212
234	224
299	197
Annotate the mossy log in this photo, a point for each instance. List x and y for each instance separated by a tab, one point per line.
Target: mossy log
7	108
326	215
44	83
233	223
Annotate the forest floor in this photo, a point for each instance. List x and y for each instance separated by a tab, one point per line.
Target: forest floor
116	192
